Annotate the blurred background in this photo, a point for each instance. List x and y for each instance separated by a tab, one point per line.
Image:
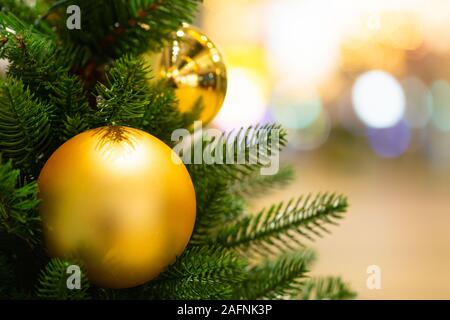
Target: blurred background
364	89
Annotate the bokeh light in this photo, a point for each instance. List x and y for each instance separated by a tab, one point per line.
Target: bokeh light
347	117
313	136
435	23
245	103
295	108
378	99
400	29
440	95
390	142
419	107
301	46
363	88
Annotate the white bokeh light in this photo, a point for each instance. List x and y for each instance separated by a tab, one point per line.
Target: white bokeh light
245	103
378	99
303	38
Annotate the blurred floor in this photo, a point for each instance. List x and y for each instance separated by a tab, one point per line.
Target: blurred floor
399	219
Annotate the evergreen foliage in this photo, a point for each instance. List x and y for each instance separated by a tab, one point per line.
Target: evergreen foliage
18	204
283	225
113	28
61	82
329	288
256	185
279	278
52	283
200	273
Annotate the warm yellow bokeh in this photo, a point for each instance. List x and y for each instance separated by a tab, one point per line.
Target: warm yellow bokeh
363	88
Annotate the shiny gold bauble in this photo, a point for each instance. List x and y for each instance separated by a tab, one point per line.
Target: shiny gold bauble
195	68
115	198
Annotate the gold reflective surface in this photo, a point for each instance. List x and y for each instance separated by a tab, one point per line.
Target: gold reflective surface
196	69
114	198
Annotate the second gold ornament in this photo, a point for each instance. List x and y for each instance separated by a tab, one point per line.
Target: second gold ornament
195	68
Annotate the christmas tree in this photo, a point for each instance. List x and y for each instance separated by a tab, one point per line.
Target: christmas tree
63	81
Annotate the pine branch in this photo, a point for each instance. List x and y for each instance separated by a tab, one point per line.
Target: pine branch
125	94
25	131
29	53
161	115
247	151
71	107
73	125
236	155
20	9
200	273
18	205
282	226
255	184
52	283
329	288
112	28
128	98
279	279
53	74
216	206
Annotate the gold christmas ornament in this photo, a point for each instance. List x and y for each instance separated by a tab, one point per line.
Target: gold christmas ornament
196	70
115	198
